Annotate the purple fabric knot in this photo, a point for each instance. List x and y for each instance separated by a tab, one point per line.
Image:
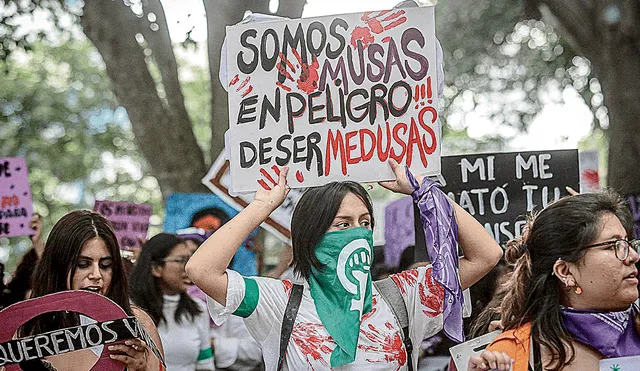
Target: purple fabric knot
441	237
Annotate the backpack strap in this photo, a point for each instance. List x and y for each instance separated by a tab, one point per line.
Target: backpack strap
290	313
392	296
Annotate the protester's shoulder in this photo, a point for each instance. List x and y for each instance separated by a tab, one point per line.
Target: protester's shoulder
512	341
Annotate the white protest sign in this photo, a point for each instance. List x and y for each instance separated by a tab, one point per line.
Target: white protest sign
333	98
278	223
461	353
620	364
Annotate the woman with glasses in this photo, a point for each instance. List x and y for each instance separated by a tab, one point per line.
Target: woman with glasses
158	283
571	297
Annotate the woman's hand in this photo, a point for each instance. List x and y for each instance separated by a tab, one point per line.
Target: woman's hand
133	353
488	360
401	184
274	197
36	238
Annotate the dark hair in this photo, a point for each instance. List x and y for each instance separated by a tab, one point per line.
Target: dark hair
16	290
558	232
57	266
313	215
145	288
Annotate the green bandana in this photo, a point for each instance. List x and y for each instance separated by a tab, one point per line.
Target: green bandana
342	290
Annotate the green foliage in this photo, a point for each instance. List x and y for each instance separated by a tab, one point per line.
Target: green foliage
504	68
57	111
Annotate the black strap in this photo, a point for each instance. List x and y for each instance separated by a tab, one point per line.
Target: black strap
288	320
392	296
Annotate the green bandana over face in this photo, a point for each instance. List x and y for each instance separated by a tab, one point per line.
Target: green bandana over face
342	290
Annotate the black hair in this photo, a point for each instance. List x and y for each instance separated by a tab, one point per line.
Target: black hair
561	231
145	288
55	270
16	290
313	215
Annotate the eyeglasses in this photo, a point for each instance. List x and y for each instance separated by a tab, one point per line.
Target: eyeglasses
182	261
621	247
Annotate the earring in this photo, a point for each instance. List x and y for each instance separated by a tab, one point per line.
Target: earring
578	290
564	279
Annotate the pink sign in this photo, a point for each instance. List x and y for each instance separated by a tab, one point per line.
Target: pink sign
130	220
15	198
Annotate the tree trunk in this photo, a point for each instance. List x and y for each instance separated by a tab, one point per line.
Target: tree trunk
160	123
607	32
222	13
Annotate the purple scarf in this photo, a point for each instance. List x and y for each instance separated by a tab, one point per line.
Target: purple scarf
613	334
441	237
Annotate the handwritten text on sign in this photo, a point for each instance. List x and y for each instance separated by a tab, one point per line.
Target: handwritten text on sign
498	189
332	97
130	220
15	198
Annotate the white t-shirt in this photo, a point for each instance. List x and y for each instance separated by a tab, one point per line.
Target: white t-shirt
380	345
186	344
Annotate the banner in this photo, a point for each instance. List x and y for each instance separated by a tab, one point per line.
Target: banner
498	189
208	212
399	231
16	207
113	326
278	223
130	220
333	98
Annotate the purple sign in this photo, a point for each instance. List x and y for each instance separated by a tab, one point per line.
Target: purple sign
15	198
130	220
399	232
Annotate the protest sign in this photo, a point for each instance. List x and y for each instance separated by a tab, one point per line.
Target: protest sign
498	189
589	176
399	231
130	220
15	198
112	326
461	353
278	223
620	364
208	212
333	98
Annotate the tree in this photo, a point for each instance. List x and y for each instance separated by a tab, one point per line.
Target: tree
495	51
607	32
58	111
133	39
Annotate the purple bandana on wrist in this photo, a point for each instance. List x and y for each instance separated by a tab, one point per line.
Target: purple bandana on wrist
613	334
441	237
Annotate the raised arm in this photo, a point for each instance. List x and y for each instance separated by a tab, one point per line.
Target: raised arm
481	252
207	267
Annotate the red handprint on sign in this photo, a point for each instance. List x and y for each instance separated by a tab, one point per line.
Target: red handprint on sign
307	80
242	85
376	25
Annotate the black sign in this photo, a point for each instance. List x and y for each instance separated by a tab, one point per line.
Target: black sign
74	338
498	189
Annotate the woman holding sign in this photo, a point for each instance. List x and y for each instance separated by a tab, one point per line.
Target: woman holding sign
82	253
342	320
571	297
